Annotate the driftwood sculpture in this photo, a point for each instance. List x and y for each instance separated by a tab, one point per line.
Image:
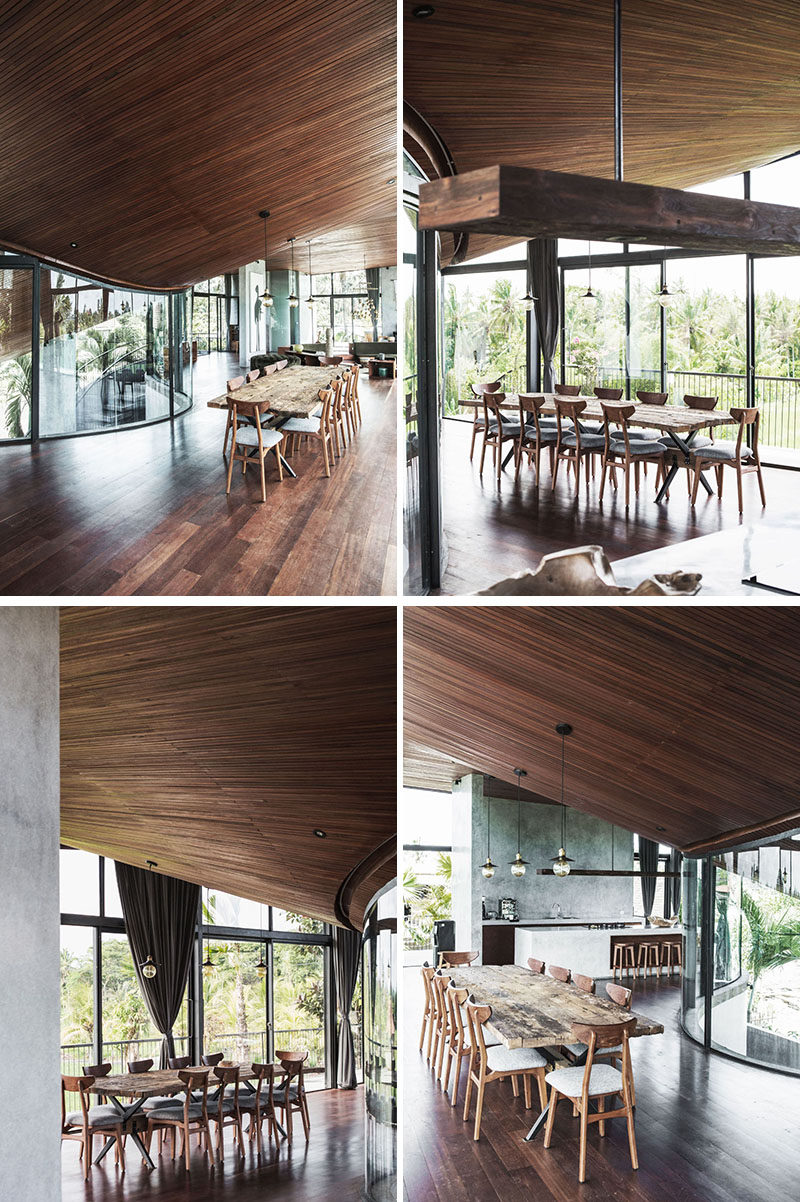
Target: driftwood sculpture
586	572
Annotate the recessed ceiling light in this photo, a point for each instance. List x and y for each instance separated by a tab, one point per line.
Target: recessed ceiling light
73	244
423	10
393	180
320	834
661	828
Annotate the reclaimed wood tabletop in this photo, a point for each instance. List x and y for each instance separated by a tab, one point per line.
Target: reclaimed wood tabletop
530	1010
678	418
292	392
163	1081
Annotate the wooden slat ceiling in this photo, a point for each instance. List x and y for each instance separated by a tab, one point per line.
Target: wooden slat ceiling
686	721
152	133
709	89
215	740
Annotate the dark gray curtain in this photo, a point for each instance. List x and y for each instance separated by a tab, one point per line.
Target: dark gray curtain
346	960
374	294
648	864
160	915
672	886
543	270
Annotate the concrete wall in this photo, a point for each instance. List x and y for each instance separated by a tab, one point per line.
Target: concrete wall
388	307
589	842
29	903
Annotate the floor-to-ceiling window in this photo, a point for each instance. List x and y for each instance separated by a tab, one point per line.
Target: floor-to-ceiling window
215	317
16	351
341	303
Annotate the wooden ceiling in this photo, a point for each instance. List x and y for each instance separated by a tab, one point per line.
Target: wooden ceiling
152	134
686	720
708	89
215	740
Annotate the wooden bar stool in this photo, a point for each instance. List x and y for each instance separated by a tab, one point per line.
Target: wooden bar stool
671	958
649	958
624	960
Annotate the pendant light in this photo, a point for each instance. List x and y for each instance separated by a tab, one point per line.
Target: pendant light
588	295
310	300
148	968
208	963
519	865
293	299
561	862
488	868
528	300
267	298
665	298
261	967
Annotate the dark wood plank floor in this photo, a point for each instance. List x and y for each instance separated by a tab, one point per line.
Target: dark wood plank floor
495	532
708	1129
144	512
330	1166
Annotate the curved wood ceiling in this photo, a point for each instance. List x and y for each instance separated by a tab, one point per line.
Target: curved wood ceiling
686	720
709	89
215	740
152	134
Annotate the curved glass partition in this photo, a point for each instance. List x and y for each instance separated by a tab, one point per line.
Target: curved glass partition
380	1045
741	980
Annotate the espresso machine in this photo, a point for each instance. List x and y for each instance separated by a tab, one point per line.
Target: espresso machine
508	909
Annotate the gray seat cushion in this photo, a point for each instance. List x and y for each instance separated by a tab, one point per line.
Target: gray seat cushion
648	435
280	1095
604	1079
98	1116
547	436
247	436
195	1111
699	440
158	1103
301	425
580	1049
514	1060
721	451
594	442
639	447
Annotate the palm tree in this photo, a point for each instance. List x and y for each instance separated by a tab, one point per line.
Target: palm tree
774	939
18	377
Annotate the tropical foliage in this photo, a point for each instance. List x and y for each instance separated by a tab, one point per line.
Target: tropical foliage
773	936
427	895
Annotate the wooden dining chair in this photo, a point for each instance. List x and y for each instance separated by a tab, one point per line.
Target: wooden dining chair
534	434
609	394
313	427
559	974
189	1117
290	1095
212	1059
478	418
337	419
271	368
741	457
624	452
574	1051
587	984
279	366
223	1110
82	1125
497	431
252	376
651	398
428	1013
250	444
231	386
330	360
537	966
574	445
567	389
346	400
493	1062
176	1062
456	959
260	1104
595	1082
442	1031
354	397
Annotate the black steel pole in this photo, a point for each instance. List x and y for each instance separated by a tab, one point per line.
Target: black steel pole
428	415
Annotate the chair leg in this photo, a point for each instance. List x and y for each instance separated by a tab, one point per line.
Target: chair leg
696	483
187	1143
739	485
601	1105
555	1098
325	455
304	1118
526	1085
632	1140
627	483
456	1081
603	477
479	1109
761	485
584	1130
483	456
515	1085
228	425
230	464
263	481
425	1018
470	1083
472	443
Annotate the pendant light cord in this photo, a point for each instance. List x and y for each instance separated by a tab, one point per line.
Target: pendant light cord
563	757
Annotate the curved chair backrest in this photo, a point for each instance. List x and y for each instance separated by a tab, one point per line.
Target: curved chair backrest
270	369
196	1081
96	1070
609	394
228	1074
179	1062
439	984
78	1085
617	415
293	1063
609	1035
652	398
487	386
453	959
476	1017
330	360
326	396
567	390
457	998
560	974
491	409
139	1066
700	402
279	366
619	994
745	418
235	383
587	984
213	1060
535	965
530	406
262	1073
253	375
570	411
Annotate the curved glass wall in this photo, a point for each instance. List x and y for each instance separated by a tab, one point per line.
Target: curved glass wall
741	981
379	985
77	357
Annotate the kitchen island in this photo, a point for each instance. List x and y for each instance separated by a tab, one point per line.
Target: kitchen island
582	946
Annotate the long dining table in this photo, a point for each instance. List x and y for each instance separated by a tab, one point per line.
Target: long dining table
293	392
531	1010
681	423
152	1084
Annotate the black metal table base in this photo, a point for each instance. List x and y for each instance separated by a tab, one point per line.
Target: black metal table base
683	447
126	1113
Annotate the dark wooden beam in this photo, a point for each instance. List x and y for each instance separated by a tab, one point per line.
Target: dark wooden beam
746	838
524	202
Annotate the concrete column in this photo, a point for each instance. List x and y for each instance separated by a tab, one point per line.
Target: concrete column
29	903
469	852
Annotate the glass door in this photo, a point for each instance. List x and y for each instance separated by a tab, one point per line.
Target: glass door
16	353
